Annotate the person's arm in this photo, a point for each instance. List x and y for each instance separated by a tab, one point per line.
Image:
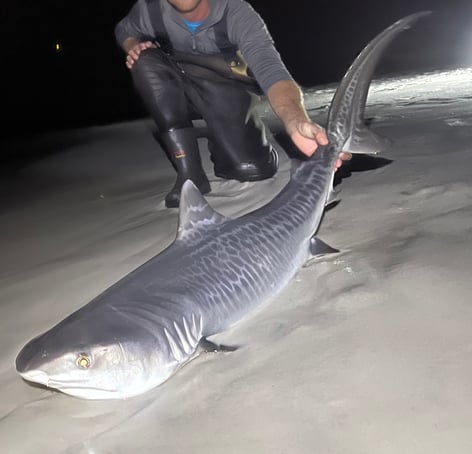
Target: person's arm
286	100
134	33
248	31
136	24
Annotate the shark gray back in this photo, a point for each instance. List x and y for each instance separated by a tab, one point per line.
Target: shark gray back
137	333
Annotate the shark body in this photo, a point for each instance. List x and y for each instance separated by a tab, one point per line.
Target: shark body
141	330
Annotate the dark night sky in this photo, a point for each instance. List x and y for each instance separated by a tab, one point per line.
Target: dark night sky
87	83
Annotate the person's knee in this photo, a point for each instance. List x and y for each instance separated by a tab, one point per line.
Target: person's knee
161	89
150	60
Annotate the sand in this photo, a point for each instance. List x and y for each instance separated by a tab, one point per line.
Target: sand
368	351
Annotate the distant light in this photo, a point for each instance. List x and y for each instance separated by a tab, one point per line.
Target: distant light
58	47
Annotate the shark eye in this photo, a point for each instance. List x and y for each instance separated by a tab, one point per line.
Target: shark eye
83	361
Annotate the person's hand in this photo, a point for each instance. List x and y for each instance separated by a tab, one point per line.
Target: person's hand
133	53
308	136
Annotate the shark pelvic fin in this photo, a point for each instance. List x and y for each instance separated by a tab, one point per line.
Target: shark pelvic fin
195	213
333	194
333	197
319	248
207	346
365	141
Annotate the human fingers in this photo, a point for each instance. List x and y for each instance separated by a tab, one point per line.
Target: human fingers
343	156
132	56
307	145
135	51
130	59
147	45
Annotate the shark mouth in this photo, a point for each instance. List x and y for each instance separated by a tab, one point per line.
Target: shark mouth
74	389
36	376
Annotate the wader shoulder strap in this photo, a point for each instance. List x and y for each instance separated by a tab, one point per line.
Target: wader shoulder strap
157	22
227	48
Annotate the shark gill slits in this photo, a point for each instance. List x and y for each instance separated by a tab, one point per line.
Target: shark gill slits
83	361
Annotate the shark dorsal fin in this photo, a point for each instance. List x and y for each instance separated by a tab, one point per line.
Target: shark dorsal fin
195	213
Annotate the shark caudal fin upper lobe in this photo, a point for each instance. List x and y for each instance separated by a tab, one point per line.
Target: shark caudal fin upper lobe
346	126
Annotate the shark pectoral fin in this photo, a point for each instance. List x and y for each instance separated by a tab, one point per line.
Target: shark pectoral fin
319	248
365	141
207	346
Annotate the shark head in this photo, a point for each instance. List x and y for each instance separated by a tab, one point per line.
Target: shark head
101	359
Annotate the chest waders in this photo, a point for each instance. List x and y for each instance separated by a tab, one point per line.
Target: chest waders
177	88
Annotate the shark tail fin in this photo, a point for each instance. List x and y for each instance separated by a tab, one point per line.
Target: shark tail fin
346	126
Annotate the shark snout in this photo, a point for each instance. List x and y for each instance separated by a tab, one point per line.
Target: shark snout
29	360
30	356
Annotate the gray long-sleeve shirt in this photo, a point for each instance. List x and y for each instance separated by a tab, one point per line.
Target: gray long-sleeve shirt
246	31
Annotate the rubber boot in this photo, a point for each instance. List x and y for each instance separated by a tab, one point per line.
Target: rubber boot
252	171
181	147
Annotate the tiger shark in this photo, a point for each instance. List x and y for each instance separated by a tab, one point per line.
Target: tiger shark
141	330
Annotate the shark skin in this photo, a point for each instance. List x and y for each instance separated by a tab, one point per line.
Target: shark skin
141	330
